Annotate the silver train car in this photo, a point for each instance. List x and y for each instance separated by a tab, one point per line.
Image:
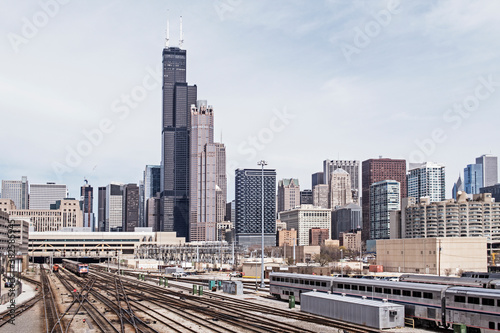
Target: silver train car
282	285
451	281
430	305
80	269
422	302
477	308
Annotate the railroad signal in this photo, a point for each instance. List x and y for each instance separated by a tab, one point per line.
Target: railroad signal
74	290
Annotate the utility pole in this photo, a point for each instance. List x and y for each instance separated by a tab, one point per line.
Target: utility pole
439	263
262	284
341	263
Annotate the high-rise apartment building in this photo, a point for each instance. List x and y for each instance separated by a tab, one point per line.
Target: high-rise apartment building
479	217
489	165
114	207
44	195
351	167
375	170
130	209
426	180
320	196
473	178
384	197
87	198
339	192
178	97
17	191
288	194
248	192
306	197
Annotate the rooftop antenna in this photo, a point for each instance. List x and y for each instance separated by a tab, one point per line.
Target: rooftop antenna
181	40
167	43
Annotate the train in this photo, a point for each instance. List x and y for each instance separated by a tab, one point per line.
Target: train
477	282
78	268
432	305
55	268
481	275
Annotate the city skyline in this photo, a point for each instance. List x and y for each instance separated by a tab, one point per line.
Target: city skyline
401	101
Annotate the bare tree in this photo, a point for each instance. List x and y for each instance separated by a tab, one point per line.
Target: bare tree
323	259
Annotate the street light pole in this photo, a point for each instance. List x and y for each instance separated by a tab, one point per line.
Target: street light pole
341	263
262	285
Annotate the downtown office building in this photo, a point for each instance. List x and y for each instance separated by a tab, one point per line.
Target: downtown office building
193	171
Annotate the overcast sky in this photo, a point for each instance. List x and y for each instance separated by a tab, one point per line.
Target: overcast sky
292	82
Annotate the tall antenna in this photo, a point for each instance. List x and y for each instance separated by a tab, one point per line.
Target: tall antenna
167	40
181	40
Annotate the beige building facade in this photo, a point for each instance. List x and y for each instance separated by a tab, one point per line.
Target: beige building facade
340	189
303	254
479	217
68	214
288	237
320	196
351	240
288	194
306	217
423	255
97	244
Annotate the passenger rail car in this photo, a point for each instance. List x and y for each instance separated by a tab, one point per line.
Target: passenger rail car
423	302
481	275
478	309
451	281
80	269
428	304
282	285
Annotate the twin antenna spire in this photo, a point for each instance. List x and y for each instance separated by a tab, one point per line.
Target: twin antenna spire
167	40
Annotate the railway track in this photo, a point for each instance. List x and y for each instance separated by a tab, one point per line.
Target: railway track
240	313
97	290
52	320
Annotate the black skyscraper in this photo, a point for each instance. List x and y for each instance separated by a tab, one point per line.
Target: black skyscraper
178	97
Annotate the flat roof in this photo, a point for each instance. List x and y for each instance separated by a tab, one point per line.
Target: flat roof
350	299
392	284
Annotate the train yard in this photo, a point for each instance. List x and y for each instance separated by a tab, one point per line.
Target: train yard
107	302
